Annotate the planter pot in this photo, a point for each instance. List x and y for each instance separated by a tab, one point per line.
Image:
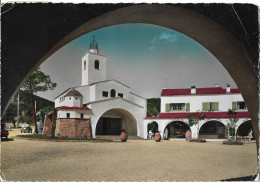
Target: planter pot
188	135
123	137
157	137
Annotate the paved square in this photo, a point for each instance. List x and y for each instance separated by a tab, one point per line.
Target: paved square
133	160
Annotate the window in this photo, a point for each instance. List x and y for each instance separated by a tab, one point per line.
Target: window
68	115
85	65
81	115
112	93
175	107
105	94
238	105
210	106
120	95
97	64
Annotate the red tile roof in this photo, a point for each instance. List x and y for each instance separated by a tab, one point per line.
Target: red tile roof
206	115
73	93
74	107
199	91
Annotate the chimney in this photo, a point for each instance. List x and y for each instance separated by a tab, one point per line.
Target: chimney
193	90
228	88
216	85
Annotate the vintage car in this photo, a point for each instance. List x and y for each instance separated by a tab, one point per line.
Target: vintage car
4	133
26	128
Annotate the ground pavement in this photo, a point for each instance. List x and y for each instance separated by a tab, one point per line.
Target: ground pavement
134	160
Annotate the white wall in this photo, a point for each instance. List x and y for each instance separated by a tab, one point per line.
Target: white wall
91	75
73	114
224	100
138	100
108	86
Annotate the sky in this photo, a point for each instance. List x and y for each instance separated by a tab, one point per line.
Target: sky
145	57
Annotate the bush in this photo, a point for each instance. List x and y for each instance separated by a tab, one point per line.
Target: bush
230	142
198	140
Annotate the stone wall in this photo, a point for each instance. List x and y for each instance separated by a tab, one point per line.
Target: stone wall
50	124
75	128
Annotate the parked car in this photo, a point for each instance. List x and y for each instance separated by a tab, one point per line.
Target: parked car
26	128
4	133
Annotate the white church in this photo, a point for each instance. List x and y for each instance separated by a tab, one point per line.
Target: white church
112	104
107	106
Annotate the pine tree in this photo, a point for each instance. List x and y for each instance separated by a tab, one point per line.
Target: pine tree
37	82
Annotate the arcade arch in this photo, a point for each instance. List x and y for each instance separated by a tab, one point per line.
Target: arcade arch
213	129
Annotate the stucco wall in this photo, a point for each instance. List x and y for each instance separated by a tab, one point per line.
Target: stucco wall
91	74
74	113
225	101
128	109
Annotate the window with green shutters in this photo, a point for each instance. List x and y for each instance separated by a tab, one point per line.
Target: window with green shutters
234	105
167	107
210	106
187	106
205	106
214	106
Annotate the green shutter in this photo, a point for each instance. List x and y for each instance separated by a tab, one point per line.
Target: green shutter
215	106
234	105
167	107
187	106
205	106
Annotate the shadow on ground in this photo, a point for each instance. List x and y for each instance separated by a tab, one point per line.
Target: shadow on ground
245	178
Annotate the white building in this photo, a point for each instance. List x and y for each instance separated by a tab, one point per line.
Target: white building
113	105
178	104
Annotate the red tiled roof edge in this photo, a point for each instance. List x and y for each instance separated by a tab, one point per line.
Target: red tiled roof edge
199	91
206	115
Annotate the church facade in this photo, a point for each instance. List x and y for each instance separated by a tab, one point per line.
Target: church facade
108	105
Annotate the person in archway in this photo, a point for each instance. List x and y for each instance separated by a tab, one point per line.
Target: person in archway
166	134
250	135
150	134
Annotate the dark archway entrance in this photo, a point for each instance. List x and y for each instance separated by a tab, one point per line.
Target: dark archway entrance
112	121
244	129
213	130
176	129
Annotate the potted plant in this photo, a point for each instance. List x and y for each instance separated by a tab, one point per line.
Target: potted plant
157	136
123	135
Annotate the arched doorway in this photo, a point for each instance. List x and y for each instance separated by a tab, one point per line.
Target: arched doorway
245	128
112	121
213	130
176	129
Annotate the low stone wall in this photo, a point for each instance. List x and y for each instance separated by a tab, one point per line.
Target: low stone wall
74	128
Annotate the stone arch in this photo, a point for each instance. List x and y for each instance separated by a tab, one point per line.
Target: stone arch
208	33
216	129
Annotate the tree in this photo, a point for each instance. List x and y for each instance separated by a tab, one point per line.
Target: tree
153	107
37	82
232	123
195	119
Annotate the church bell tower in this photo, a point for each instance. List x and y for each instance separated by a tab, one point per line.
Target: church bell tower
94	65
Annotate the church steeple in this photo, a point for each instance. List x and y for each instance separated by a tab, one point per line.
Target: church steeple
93	46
